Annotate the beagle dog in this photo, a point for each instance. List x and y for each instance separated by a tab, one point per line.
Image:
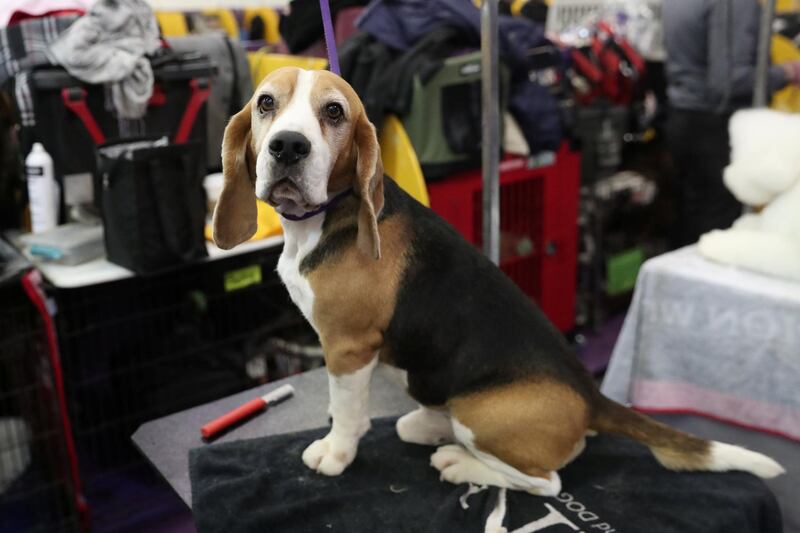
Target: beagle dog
382	278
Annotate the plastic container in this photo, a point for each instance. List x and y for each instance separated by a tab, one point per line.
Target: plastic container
69	244
42	189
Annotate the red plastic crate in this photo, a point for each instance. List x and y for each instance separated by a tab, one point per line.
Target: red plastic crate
538	226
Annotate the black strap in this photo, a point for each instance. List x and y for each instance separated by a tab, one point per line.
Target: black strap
234	104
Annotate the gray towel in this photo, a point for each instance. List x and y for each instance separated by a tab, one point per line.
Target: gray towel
108	45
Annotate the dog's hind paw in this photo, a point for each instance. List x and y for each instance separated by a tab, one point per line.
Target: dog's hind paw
457	466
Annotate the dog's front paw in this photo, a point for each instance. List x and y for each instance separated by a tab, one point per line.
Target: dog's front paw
330	455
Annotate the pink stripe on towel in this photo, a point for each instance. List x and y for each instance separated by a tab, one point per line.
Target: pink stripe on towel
683	398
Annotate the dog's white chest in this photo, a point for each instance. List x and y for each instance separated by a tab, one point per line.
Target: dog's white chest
300	239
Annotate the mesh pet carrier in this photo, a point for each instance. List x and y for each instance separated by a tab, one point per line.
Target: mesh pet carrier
444	122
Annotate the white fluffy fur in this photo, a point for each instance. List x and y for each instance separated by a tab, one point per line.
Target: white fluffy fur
349	394
349	397
726	457
300	238
425	426
764	171
464	463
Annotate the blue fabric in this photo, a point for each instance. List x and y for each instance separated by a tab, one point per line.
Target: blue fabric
399	24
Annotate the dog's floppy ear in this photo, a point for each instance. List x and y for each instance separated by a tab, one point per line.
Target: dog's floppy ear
368	186
235	216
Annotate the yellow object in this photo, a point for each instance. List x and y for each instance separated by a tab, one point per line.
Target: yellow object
787	6
227	20
271	20
516	6
400	160
242	278
787	99
262	63
172	23
269	224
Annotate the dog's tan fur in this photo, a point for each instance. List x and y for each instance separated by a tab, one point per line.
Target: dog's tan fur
236	213
531	425
355	298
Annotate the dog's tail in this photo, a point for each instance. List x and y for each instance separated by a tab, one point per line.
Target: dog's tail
677	450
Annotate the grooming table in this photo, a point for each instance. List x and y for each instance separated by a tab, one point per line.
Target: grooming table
615	486
166	442
715	350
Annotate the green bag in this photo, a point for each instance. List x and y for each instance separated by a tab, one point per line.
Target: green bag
444	122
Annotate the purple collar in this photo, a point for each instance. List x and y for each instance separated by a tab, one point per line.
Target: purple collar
330	204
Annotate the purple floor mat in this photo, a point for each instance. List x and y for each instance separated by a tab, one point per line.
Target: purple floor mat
596	351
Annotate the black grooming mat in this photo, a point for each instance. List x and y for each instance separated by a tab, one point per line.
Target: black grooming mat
262	485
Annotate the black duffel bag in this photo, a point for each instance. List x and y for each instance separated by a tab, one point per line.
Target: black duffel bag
153	203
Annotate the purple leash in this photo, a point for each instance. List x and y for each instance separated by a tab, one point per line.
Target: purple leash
330	39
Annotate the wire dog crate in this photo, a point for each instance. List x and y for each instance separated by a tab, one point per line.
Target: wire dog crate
37	491
133	350
538	226
142	348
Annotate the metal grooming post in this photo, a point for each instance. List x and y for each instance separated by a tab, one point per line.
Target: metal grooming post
490	98
761	90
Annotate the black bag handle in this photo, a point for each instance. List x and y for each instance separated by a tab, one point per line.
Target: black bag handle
233	105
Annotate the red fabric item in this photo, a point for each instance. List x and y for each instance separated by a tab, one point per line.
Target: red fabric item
345	25
19	16
159	96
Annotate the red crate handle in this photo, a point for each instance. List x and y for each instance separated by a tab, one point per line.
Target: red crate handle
159	97
31	282
200	92
74	99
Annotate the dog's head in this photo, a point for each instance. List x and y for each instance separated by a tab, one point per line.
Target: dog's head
302	138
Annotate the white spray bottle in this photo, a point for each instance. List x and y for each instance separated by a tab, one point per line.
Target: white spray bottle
42	189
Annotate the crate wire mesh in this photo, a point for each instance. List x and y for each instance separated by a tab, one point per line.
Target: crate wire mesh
37	491
538	225
131	351
142	348
521	234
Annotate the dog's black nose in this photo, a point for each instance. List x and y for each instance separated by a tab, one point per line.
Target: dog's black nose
289	147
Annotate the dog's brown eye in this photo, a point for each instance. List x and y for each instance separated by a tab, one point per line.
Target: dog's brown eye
265	103
334	111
